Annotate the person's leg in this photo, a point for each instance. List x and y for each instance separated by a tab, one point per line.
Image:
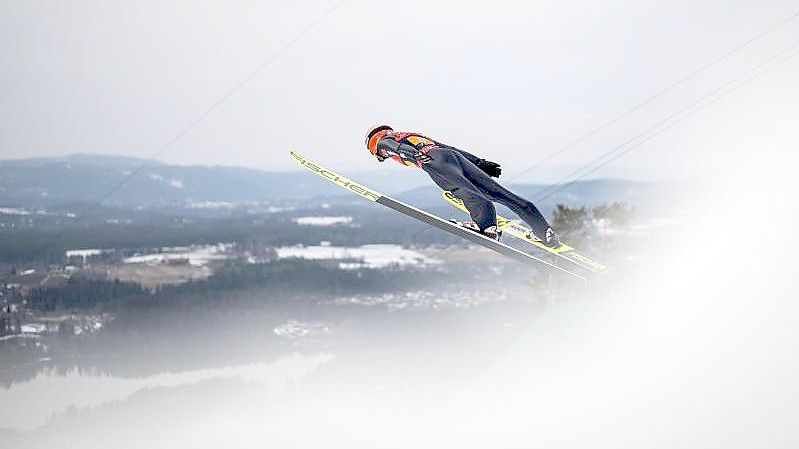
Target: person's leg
481	209
495	192
446	172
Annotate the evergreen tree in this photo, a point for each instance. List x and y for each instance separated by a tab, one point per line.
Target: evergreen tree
571	223
618	215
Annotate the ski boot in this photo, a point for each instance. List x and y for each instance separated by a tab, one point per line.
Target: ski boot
550	240
491	232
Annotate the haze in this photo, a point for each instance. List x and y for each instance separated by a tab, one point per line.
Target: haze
689	342
512	82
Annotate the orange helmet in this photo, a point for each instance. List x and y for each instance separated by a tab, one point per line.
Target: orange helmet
374	134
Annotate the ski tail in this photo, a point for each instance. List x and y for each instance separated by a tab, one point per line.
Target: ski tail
522	232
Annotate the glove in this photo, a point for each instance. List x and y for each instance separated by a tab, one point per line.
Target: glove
492	169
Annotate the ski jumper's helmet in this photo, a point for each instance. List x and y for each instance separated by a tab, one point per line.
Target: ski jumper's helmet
374	135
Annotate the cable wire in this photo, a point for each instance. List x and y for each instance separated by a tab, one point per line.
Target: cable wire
214	106
675	119
657	95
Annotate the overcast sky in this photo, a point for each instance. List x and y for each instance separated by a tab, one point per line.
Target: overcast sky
511	81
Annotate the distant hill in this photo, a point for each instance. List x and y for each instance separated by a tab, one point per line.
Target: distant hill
87	178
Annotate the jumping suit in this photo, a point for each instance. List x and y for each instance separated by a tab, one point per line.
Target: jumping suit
459	172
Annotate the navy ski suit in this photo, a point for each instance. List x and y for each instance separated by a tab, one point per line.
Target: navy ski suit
457	171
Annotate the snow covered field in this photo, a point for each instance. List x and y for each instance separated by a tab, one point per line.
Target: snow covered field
322	221
368	256
421	300
13	211
199	255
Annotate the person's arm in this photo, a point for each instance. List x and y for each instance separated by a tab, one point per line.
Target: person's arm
388	146
472	158
490	168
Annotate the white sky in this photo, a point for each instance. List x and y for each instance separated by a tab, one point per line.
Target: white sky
509	80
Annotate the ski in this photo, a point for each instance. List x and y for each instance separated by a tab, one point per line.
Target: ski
521	231
423	216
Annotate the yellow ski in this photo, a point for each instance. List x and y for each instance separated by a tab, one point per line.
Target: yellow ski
521	231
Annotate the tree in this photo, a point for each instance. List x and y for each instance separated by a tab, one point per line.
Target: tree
570	222
616	215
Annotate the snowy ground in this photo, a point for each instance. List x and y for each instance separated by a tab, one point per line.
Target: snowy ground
370	256
198	255
322	221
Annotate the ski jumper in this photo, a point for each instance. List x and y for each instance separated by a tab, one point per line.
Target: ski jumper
457	171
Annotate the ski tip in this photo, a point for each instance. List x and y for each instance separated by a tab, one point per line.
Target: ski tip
296	156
